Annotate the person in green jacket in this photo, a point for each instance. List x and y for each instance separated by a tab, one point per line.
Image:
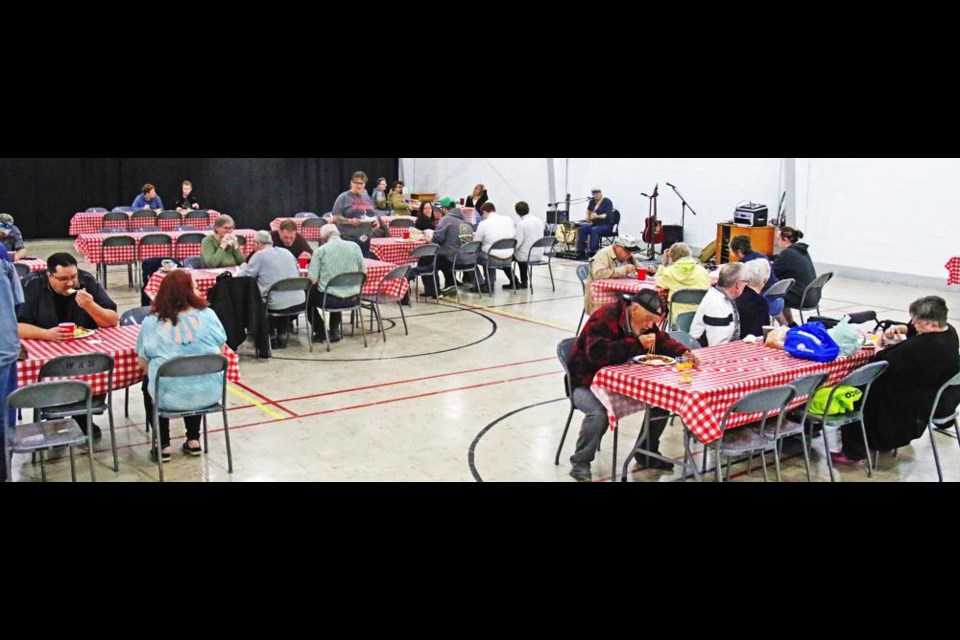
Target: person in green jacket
222	248
680	270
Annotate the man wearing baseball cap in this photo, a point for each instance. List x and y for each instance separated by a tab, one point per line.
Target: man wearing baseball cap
613	262
599	223
613	335
11	237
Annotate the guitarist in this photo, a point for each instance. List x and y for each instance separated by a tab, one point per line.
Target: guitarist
597	224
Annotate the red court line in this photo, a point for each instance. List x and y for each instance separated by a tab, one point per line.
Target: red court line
263	397
352	407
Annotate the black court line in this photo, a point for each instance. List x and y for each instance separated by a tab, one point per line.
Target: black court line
493	332
471	453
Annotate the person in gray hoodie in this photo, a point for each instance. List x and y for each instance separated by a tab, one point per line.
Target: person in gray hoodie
793	262
447	235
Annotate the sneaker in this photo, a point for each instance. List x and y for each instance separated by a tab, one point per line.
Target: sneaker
449	291
841	458
581	472
192	452
165	456
648	462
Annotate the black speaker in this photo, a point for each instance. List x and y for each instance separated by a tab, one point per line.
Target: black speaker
672	233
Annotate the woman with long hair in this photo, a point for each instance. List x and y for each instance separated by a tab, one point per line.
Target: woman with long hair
180	324
425	217
793	262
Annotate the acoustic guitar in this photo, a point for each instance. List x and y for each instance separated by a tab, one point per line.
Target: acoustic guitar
653	228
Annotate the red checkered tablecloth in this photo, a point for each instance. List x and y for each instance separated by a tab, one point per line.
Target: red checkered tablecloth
204	278
34	264
313	233
605	291
727	372
395	250
87	222
119	342
953	266
376	270
89	245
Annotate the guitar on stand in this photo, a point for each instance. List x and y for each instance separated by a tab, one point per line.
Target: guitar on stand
653	228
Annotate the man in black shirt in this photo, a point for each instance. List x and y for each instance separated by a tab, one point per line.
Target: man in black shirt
186	202
63	294
286	237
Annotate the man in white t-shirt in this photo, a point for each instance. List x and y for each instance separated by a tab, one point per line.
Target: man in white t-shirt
529	230
493	228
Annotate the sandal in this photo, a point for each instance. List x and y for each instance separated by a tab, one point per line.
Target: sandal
166	457
193	452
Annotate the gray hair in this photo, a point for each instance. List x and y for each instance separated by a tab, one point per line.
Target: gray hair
730	273
222	221
263	237
328	231
930	309
679	250
757	272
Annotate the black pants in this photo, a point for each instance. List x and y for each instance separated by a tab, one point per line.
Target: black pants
281	324
445	267
333	302
82	420
192	422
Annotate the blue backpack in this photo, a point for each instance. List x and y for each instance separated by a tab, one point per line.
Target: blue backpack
811	341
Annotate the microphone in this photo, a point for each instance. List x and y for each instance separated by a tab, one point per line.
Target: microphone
644	195
671	186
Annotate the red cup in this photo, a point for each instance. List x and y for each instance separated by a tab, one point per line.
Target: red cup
304	262
406	234
67	327
641	274
462	201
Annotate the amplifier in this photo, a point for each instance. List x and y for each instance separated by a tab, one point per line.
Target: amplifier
751	215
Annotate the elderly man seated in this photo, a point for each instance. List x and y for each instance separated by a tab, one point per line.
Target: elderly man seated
615	261
11	237
269	265
64	295
743	250
221	249
613	335
717	320
493	228
751	305
286	237
333	257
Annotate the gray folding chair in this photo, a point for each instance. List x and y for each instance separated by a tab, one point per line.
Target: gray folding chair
154	240
291	284
812	294
862	377
170	215
564	351
193	262
351	280
198	218
142	216
685	296
41	435
186	367
305	214
547	245
115	220
96	210
311	223
397	273
401	223
188	245
805	387
685	339
583	272
116	242
84	364
123	209
685	320
942	424
466	260
22	270
429	251
742	442
129	317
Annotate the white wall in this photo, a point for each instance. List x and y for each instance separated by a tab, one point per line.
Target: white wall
713	186
899	215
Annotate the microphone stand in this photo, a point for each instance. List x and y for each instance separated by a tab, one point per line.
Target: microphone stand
684	205
567	253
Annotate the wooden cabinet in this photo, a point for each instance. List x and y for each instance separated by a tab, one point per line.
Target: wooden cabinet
761	239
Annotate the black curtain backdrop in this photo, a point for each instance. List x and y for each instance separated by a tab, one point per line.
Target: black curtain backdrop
42	194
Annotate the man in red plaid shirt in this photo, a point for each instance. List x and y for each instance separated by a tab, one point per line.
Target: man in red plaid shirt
614	334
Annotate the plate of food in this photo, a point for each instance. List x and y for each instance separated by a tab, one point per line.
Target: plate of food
82	332
654	359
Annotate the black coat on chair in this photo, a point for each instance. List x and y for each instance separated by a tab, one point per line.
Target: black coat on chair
238	304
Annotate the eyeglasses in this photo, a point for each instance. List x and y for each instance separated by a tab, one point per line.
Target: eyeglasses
64	278
362	184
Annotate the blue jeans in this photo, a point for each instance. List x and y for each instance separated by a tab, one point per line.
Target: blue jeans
8	383
593	231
